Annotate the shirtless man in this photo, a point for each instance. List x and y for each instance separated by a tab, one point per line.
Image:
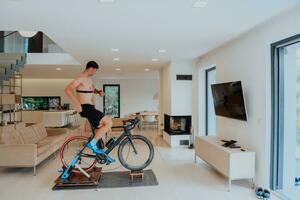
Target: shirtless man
83	102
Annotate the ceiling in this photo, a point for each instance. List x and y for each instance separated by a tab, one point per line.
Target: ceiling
88	29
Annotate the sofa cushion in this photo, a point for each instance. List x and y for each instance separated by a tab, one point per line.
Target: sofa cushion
9	128
42	149
40	131
52	140
20	125
12	137
28	135
43	142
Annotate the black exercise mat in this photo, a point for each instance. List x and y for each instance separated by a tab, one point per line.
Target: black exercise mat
122	179
117	180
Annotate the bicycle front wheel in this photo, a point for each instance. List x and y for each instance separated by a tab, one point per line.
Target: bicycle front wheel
136	153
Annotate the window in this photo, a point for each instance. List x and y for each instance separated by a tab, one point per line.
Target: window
285	158
111	101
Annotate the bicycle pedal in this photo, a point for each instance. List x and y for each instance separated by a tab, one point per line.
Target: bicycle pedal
101	160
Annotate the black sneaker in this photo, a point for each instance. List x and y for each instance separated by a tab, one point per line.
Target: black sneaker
266	194
259	193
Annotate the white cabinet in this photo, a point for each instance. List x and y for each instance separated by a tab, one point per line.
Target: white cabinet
57	118
232	163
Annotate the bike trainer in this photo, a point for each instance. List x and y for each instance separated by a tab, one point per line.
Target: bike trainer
98	179
79	181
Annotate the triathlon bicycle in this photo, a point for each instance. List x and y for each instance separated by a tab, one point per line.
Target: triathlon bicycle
135	152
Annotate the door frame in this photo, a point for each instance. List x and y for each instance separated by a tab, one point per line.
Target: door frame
114	85
206	97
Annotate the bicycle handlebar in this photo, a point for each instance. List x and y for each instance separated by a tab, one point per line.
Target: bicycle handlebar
129	124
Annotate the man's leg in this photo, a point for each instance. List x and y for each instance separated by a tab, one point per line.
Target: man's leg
104	126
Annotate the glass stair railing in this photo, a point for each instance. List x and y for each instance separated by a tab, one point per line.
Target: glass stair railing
12	54
10	63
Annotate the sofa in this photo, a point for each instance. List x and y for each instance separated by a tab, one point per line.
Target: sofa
28	146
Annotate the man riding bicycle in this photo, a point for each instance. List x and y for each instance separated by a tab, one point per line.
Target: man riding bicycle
83	103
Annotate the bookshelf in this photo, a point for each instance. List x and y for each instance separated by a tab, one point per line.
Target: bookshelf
11	100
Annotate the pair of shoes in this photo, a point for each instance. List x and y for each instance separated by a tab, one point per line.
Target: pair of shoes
259	193
262	193
297	181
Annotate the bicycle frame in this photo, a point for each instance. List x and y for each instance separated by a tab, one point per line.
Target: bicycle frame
125	134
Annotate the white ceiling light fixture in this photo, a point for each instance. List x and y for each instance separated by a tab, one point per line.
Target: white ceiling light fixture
27	34
118	69
116	59
58	69
154	59
147	70
161	51
200	4
114	50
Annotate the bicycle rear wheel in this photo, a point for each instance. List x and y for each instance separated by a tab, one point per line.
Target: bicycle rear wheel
71	148
136	153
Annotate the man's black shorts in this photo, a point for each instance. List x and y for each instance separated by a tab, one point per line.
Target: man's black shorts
94	116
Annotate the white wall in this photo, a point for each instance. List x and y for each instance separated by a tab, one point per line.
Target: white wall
51	59
182	91
165	91
247	58
136	94
46	87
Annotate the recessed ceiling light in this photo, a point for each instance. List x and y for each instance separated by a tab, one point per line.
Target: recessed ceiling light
115	50
58	68
147	69
154	59
116	59
106	1
118	69
162	51
200	4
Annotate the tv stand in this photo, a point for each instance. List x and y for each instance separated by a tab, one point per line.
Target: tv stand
234	164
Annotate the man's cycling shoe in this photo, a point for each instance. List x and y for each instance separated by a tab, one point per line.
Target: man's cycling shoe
109	160
95	149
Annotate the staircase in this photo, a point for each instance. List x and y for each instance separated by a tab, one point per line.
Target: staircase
10	63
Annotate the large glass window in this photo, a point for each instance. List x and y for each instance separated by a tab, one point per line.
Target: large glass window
285	176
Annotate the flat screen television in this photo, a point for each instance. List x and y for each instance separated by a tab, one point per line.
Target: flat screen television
229	100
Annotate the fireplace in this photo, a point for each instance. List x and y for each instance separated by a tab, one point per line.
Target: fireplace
177	125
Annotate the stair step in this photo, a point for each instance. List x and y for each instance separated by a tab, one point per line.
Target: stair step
10	63
12	56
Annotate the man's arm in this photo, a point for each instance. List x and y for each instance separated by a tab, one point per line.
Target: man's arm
100	92
69	91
